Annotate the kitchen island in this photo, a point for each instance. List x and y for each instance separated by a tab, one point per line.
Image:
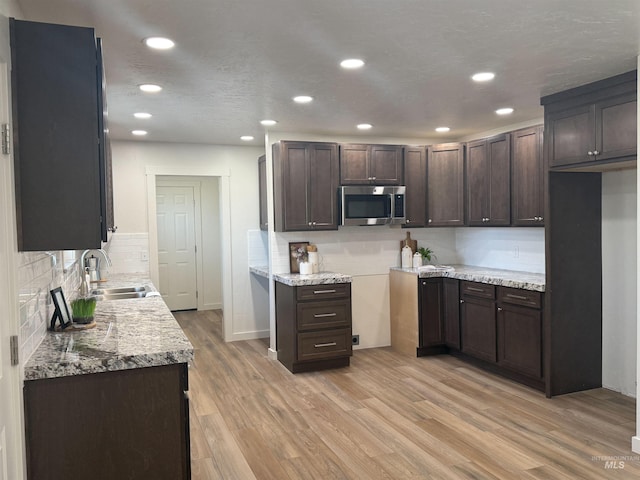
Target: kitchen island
110	402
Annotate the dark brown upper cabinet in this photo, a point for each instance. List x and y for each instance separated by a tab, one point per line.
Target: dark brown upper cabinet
488	176
445	185
60	173
415	167
371	164
527	178
262	192
592	124
305	186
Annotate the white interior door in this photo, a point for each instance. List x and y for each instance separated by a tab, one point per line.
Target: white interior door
10	424
175	209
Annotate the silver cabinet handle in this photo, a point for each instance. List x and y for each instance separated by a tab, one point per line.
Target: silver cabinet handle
430	220
323	315
596	152
499	309
330	344
316	292
519	297
473	289
590	153
461	301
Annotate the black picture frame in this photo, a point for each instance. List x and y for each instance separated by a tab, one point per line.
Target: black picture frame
294	265
61	313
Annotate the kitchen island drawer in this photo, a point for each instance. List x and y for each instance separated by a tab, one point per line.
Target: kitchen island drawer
516	296
324	292
324	344
323	315
476	289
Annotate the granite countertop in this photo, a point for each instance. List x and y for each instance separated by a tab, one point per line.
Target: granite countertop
492	276
298	280
132	333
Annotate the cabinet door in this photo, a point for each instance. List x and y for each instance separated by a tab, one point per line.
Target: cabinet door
571	135
451	312
499	153
445	185
56	146
323	186
520	339
294	186
478	328
415	166
616	121
477	168
262	189
430	312
354	165
385	165
527	178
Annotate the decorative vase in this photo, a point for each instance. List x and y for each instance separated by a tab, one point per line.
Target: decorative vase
306	268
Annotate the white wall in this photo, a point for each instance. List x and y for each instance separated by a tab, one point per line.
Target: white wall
619	286
130	163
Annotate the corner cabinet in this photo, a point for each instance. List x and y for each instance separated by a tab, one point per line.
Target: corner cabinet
305	186
313	326
592	125
488	166
121	424
60	169
371	164
527	178
445	185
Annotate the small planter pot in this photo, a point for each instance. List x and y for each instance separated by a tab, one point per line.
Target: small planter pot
83	320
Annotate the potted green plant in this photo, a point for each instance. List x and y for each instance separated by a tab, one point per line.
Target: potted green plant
426	253
83	309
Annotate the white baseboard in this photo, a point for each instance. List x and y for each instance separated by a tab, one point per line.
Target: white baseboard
272	354
212	306
635	444
249	335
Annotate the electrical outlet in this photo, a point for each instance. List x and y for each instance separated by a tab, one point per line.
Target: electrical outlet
516	252
144	256
355	339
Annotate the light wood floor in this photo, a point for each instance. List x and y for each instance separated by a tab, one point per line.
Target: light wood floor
390	416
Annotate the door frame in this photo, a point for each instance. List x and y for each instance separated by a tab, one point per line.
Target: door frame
224	175
197	229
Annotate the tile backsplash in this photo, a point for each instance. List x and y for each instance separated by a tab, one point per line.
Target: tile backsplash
38	273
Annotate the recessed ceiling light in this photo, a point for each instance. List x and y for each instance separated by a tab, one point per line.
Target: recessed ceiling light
442	129
504	111
246	138
483	77
303	99
268	123
142	115
139	133
150	88
159	43
365	126
352	63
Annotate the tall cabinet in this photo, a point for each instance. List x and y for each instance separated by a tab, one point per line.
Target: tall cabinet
445	185
60	148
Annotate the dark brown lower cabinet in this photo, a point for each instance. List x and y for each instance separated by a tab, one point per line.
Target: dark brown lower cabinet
520	331
478	327
430	312
122	424
313	326
451	312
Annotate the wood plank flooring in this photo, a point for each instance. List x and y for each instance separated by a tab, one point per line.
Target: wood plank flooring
390	416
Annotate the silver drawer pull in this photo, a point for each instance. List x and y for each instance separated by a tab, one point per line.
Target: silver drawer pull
323	291
473	289
320	345
519	297
322	315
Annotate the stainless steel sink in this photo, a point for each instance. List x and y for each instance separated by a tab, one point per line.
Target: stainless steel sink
120	293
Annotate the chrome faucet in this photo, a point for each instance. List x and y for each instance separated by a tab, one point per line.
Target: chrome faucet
84	269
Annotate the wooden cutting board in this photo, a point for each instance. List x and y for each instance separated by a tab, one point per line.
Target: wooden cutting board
413	244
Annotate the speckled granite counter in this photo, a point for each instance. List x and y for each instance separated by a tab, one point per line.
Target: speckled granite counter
261	271
492	276
129	334
323	278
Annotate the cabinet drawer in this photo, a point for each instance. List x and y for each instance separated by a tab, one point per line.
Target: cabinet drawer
331	314
475	289
516	296
325	292
324	344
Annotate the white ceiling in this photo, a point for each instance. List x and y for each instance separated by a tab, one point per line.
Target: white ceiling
237	62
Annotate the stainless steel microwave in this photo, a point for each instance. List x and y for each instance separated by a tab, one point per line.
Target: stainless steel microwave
369	205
